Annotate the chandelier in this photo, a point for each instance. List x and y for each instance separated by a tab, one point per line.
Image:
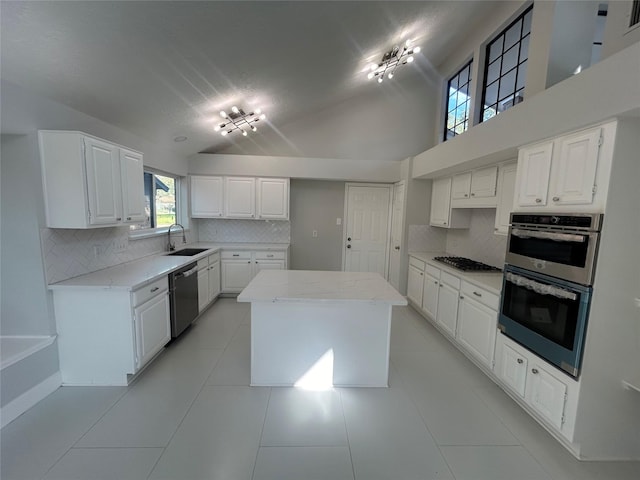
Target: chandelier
391	61
239	120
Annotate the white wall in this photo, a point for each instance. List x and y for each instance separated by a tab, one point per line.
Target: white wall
617	35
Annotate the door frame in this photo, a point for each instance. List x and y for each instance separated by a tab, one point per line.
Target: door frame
345	222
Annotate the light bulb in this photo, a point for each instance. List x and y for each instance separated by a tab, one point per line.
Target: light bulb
244	133
390	75
370	75
224	133
373	66
258	111
416	50
380	80
234	109
263	116
223	114
409	59
216	128
253	128
408	42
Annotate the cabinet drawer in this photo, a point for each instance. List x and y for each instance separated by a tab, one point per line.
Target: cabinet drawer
450	280
433	271
269	255
203	263
481	295
213	258
148	291
419	264
235	255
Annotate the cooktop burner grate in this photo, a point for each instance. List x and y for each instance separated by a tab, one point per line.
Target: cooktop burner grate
466	264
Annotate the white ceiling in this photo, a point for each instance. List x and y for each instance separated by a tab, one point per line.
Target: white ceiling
164	69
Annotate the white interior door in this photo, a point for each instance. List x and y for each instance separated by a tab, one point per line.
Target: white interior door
397	215
366	239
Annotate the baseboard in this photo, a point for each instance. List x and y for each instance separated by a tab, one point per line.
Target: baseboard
28	399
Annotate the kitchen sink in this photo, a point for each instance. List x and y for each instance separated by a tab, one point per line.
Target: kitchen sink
188	252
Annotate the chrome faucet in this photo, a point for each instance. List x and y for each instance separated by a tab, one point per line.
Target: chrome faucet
172	246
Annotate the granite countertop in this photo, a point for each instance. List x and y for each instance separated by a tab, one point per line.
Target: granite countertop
317	286
135	274
491	281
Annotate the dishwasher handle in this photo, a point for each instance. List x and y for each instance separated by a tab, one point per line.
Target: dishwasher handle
188	273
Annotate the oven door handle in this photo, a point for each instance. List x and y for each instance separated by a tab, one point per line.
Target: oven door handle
559	237
538	287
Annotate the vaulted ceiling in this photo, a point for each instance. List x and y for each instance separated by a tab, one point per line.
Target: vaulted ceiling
165	69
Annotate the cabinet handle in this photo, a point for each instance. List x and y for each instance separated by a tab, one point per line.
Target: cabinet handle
473	194
269	256
119	219
236	254
461	297
250	261
477	294
534	371
435	281
128	218
421	273
155	289
538	200
556	199
520	361
440	285
466	195
444	223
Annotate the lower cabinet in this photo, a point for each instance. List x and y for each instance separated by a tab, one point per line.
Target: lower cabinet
546	391
430	291
415	280
239	267
208	280
447	314
106	336
477	315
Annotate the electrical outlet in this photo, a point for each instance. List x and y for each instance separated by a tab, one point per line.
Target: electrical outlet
338	221
120	244
314	234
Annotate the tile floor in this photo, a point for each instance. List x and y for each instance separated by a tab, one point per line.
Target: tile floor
191	415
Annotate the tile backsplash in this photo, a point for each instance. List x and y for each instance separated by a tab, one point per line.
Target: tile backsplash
249	231
478	242
425	238
68	253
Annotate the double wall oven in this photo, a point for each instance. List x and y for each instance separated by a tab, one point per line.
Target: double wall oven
547	286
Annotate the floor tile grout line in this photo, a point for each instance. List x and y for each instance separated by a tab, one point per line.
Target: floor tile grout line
346	431
264	421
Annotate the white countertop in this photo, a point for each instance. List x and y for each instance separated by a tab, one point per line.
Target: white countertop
132	275
319	286
491	281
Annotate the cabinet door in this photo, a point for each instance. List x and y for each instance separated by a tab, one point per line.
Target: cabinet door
132	178
461	186
483	182
506	190
214	280
103	182
477	329
153	330
546	394
240	197
273	198
440	202
415	280
575	168
513	369
430	295
236	274
447	315
268	265
203	289
534	165
207	197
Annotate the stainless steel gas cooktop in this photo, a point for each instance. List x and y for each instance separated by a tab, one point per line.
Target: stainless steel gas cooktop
466	264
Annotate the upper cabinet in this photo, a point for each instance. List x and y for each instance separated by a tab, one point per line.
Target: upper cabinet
568	173
475	189
441	213
89	182
506	190
240	197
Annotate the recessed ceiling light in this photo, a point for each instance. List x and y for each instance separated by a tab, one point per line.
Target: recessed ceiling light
181	138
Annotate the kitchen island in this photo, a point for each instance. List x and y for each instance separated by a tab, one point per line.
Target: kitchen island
316	329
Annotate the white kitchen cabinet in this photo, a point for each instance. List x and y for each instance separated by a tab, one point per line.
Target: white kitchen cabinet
208	280
268	261
89	182
239	197
477	322
207	197
107	335
272	196
441	213
574	171
506	191
534	169
430	291
239	267
474	189
483	182
447	315
461	186
415	281
546	392
153	330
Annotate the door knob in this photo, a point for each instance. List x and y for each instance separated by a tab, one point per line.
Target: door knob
348	239
398	248
348	246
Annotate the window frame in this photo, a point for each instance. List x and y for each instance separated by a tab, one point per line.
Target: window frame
467	65
517	68
181	216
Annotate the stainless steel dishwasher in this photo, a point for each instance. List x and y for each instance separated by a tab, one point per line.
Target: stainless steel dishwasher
183	298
